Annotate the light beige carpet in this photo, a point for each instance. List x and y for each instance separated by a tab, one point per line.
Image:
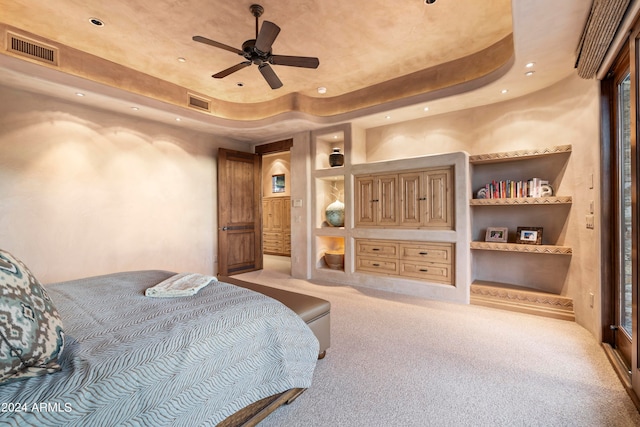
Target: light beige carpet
401	361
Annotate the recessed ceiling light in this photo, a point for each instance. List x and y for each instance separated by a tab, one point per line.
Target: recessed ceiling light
178	119
97	22
530	64
503	91
387	117
322	90
426	108
529	73
79	94
135	108
181	59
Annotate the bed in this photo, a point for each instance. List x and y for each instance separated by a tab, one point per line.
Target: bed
129	359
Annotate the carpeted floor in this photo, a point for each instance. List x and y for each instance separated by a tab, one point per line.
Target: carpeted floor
401	361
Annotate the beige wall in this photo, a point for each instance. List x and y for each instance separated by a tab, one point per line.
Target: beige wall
276	164
566	113
85	192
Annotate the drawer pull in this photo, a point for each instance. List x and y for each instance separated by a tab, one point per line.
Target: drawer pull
376	265
424	253
422	198
375	249
424	270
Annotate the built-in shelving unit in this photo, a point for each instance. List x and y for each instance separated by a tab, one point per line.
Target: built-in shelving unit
429	231
328	185
513	276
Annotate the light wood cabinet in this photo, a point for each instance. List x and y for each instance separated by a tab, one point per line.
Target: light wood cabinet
427	261
276	225
416	199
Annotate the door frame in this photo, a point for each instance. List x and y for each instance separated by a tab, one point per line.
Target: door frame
281	146
624	360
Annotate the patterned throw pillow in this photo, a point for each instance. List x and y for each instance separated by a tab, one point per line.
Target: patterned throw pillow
31	334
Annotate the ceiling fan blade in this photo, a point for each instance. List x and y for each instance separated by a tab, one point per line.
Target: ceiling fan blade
295	61
268	33
216	44
270	75
225	73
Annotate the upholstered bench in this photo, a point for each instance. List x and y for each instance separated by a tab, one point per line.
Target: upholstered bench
314	311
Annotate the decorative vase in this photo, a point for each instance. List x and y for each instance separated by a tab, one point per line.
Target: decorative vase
336	158
335	214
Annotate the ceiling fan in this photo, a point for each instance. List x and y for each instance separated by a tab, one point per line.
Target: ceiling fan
258	51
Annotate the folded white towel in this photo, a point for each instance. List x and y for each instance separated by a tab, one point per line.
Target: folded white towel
180	285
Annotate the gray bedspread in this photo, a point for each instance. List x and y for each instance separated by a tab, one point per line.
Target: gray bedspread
131	360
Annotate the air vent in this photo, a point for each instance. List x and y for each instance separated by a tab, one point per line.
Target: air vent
32	49
199	103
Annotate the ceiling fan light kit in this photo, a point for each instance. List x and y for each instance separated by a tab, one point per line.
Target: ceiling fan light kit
258	51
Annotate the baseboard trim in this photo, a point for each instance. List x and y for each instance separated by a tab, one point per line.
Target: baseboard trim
622	370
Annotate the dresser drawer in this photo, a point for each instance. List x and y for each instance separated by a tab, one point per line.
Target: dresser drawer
377	248
440	273
268	235
431	252
377	265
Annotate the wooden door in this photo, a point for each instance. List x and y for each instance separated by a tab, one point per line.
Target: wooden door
239	212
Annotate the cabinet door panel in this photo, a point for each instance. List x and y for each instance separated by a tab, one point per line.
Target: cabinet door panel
364	204
387	199
266	217
410	194
439	213
276	214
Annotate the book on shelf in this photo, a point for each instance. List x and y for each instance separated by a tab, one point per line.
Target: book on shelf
508	189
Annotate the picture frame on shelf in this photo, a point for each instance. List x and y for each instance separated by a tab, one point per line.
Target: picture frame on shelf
277	183
496	234
529	235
